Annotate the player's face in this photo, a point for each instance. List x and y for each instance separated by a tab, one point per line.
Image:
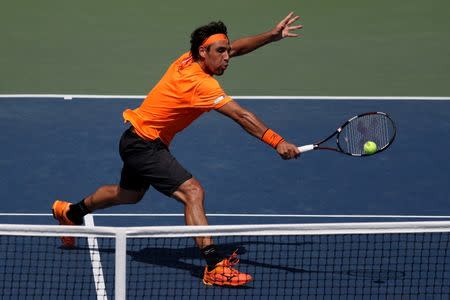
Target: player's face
216	57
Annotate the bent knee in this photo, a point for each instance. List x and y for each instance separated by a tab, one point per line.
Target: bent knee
190	192
196	195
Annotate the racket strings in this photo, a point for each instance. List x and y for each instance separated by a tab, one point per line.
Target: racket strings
377	128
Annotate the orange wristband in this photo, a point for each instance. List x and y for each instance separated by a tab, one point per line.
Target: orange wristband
271	138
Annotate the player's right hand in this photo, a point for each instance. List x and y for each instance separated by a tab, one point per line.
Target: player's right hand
287	150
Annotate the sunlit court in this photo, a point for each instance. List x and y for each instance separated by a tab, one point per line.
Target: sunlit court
269	151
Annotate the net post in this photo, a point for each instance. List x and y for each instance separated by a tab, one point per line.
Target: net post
121	265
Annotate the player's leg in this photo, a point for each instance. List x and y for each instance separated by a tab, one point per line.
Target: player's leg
136	155
172	179
112	195
106	196
192	195
219	270
130	191
132	186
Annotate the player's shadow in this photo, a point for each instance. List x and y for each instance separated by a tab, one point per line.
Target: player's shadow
187	257
190	260
174	258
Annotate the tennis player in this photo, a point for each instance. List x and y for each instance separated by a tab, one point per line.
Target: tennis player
187	90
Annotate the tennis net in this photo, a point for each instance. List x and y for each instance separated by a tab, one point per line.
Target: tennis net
289	261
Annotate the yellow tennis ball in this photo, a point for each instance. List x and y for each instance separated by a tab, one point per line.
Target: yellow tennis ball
370	147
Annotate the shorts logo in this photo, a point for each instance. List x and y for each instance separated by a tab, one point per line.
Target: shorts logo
219	99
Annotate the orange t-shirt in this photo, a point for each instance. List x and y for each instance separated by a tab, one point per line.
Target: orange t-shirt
181	96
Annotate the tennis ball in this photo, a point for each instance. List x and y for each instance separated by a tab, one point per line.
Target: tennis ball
370	148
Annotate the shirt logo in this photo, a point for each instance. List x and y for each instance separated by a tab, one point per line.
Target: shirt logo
219	99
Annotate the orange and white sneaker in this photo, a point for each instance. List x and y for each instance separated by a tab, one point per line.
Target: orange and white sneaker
59	210
224	275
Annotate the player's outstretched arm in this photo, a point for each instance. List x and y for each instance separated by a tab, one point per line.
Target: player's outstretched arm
281	30
254	126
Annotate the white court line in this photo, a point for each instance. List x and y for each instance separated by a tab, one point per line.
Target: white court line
276	216
97	269
274	97
239	215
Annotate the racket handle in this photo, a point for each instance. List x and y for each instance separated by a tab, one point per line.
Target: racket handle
306	148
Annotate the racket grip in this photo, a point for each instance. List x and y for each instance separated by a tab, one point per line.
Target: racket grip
306	148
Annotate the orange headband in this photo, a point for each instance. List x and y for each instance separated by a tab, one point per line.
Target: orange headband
214	38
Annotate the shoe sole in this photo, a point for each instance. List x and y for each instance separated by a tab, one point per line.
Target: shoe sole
227	283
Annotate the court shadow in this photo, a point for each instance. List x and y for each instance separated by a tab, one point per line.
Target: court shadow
184	258
189	259
170	258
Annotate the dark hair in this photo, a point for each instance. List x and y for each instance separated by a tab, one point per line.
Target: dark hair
199	35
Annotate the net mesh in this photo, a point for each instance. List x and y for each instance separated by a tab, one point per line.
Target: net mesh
413	265
306	267
377	128
39	268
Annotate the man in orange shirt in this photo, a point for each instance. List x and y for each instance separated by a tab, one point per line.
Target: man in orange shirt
187	90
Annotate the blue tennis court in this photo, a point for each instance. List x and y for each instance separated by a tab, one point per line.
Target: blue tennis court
56	148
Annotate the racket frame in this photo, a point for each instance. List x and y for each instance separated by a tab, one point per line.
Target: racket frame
316	146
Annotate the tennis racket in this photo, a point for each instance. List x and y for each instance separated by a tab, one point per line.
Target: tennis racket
377	127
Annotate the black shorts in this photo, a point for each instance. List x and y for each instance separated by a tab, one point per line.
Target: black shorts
148	163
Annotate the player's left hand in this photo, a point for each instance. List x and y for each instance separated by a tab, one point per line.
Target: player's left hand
284	28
